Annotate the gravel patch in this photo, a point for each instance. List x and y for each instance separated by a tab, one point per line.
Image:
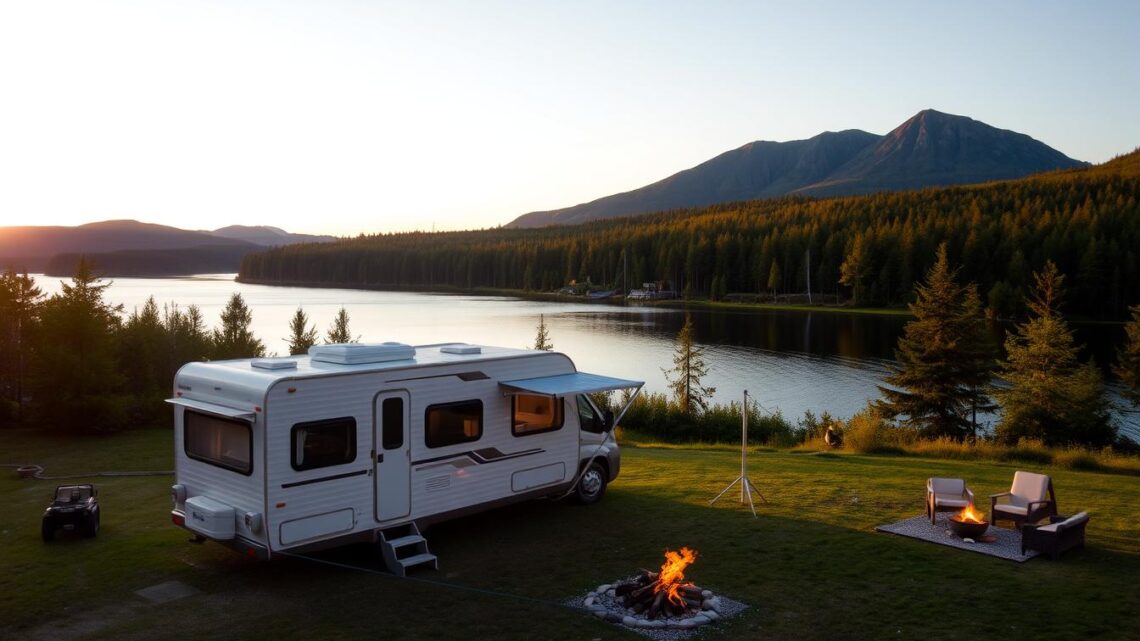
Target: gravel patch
602	603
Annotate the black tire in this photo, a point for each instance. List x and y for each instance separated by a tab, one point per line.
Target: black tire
91	526
47	530
592	486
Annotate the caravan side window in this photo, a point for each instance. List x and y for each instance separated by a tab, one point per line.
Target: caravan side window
324	443
534	414
451	423
224	442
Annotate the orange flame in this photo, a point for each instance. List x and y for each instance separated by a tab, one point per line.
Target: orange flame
673	572
970	515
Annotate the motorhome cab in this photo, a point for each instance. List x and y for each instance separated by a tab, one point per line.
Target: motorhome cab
361	442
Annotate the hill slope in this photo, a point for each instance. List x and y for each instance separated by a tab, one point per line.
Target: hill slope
929	149
31	247
267	236
133	248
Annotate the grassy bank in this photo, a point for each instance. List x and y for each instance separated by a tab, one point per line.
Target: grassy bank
810	567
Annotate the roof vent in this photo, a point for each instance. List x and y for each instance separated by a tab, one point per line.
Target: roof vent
461	349
359	353
273	363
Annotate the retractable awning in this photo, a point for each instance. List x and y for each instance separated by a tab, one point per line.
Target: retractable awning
568	384
214	408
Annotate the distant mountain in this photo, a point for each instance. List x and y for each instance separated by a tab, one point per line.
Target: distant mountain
131	248
934	148
267	236
930	149
205	259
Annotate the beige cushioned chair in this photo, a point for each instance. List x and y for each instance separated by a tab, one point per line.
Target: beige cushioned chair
1028	500
946	495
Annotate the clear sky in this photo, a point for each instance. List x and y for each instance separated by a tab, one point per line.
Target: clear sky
344	117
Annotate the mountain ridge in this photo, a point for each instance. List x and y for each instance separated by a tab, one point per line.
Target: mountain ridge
929	149
134	243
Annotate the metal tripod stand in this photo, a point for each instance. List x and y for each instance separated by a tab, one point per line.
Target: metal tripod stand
747	488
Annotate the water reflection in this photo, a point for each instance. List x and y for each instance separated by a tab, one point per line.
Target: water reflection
789	361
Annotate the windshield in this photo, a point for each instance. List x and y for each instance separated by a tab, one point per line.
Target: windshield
72	494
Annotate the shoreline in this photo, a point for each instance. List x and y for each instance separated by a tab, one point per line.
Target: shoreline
564	298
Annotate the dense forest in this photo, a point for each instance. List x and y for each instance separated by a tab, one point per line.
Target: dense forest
867	250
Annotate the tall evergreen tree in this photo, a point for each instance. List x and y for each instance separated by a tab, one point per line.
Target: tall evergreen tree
944	358
234	338
187	335
542	337
302	336
144	351
688	370
338	331
856	266
1128	358
20	302
1051	395
77	384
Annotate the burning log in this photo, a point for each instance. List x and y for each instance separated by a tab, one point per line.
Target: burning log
663	597
655	609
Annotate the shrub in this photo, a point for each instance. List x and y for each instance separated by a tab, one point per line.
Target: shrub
869	433
653	415
1075	459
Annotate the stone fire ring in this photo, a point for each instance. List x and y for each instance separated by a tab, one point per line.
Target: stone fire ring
603	603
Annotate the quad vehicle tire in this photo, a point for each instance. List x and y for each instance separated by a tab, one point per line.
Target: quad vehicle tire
91	526
47	530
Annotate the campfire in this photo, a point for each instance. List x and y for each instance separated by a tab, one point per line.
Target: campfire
969	523
664	592
661	599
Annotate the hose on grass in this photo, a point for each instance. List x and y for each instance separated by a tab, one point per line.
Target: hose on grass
36	472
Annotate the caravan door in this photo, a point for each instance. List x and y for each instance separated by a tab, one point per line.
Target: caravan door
393	461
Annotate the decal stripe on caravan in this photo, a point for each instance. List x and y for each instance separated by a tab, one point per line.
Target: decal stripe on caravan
481	456
325	478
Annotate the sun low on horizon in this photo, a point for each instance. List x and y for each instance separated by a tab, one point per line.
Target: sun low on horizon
344	118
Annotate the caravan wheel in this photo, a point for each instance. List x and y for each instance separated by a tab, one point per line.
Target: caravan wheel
592	485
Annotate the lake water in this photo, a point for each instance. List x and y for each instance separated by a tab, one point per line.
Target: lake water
788	361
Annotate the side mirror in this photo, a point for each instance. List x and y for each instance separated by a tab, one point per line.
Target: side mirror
608	421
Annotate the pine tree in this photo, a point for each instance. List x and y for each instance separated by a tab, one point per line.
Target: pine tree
1051	396
943	356
688	370
143	351
20	302
234	338
302	335
338	331
978	352
856	267
1128	358
186	332
77	384
542	338
774	277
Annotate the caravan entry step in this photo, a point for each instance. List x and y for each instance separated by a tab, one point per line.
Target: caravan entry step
404	547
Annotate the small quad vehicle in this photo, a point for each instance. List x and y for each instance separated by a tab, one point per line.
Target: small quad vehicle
73	508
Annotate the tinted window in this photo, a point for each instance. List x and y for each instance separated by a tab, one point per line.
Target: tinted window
533	414
219	441
587	417
453	423
324	443
392	420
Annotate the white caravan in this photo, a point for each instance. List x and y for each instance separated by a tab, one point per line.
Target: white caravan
362	442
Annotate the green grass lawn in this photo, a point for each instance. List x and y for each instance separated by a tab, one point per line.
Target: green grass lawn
811	567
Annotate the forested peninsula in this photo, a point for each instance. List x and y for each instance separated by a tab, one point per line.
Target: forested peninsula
866	250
